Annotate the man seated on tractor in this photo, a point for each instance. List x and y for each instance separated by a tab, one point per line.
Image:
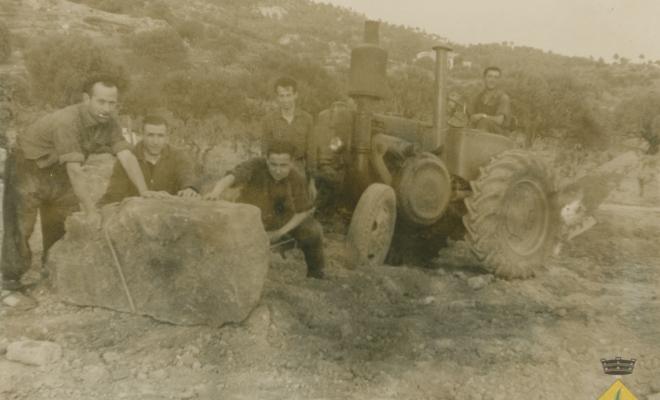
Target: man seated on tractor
166	170
280	191
491	109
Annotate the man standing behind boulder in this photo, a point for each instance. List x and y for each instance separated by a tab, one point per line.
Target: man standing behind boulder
165	169
291	124
273	185
44	173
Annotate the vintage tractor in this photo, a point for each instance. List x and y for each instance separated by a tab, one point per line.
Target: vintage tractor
407	173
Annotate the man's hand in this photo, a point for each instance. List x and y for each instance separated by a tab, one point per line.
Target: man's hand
274	236
477	117
93	218
312	190
189	193
151	194
213	195
220	187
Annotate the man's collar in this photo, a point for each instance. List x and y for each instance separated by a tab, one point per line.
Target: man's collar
86	117
139	151
296	113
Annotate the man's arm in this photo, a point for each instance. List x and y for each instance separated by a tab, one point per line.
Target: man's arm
134	172
186	178
293	223
311	149
77	178
119	186
498	119
226	182
266	134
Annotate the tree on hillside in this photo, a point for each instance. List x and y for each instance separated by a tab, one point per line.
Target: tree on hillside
160	48
58	65
5	43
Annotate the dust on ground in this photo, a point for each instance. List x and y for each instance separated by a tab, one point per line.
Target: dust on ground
447	332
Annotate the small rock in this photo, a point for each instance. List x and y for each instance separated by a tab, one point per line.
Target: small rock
3	346
346	331
562	312
33	352
158	374
655	386
202	390
110	356
197	365
445	343
95	374
479	282
428	300
259	319
187	359
119	374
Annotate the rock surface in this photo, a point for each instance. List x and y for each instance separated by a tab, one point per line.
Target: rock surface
184	262
33	352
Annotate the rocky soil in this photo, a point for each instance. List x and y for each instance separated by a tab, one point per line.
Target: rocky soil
446	332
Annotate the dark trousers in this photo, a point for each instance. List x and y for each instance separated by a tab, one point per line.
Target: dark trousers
491	126
28	190
309	236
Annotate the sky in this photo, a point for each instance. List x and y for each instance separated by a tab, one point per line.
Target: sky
598	28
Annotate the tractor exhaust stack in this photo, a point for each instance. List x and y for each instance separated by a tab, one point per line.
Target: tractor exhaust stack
436	139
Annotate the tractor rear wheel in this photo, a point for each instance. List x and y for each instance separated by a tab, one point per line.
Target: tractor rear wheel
372	226
512	216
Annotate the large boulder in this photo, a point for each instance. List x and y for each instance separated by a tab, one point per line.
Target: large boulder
184	261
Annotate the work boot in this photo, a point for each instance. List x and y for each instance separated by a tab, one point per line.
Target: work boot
12	285
18	301
315	273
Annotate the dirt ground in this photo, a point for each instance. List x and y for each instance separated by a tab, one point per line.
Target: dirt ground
378	333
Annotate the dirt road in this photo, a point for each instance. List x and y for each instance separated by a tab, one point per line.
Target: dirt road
448	332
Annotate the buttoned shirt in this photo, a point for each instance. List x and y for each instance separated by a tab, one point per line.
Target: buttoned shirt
171	173
494	103
70	135
279	200
298	132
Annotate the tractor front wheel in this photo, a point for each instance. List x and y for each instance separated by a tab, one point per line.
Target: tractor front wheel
512	216
372	226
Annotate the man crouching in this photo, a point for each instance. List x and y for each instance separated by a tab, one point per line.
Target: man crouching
282	195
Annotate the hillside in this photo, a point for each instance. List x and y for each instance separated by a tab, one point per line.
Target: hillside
204	59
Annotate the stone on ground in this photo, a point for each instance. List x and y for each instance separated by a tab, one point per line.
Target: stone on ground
184	261
33	352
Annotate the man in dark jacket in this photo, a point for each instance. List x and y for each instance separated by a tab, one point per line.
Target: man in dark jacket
282	195
166	170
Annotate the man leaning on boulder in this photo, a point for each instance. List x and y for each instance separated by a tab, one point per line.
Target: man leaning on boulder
44	173
275	186
166	170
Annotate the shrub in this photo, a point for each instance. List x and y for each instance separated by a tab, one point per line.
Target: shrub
5	43
161	46
191	30
59	64
200	94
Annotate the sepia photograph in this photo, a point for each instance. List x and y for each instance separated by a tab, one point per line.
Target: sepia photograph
329	200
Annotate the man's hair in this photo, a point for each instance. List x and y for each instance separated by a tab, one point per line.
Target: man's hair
153	119
280	147
103	79
492	68
285	82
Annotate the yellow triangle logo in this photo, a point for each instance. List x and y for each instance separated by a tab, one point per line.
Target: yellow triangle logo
617	391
